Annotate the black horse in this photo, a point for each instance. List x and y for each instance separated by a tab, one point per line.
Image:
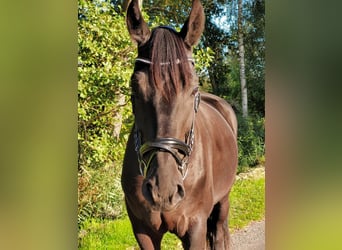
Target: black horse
181	157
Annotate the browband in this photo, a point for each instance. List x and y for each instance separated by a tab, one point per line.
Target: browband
143	60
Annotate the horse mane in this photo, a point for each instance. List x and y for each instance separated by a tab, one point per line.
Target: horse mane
170	69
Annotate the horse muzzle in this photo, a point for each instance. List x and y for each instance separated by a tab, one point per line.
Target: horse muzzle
162	197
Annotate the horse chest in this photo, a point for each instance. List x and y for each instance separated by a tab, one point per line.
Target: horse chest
177	223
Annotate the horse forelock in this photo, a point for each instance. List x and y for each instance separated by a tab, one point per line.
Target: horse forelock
170	70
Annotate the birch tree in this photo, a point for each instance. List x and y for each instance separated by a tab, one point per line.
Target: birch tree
244	95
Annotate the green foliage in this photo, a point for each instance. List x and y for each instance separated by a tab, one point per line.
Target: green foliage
104	113
251	141
105	59
173	13
99	194
203	58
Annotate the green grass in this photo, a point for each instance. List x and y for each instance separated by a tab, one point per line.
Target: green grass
247	201
115	234
106	234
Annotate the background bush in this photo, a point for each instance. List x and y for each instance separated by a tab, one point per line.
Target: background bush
251	141
104	113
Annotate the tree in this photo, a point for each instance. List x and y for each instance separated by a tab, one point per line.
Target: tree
254	41
222	35
244	96
217	39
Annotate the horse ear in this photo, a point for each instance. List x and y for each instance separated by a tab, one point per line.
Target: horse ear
194	25
137	27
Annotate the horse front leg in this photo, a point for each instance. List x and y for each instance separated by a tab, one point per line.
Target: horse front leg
147	238
147	241
222	239
195	238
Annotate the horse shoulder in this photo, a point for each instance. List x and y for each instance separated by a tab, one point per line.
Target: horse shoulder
223	107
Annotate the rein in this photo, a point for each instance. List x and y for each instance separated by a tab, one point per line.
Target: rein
147	151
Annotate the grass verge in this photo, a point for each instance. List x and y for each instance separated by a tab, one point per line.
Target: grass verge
247	201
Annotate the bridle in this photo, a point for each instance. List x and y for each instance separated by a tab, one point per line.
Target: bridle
144	60
147	151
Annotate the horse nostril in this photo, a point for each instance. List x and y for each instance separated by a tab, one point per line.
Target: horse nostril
152	192
180	191
149	187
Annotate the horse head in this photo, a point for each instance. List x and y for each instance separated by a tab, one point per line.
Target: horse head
165	99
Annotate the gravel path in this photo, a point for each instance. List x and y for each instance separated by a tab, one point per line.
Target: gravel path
251	237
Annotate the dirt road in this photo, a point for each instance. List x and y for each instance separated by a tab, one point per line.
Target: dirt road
251	237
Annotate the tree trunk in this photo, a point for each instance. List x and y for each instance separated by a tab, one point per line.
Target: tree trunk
244	96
